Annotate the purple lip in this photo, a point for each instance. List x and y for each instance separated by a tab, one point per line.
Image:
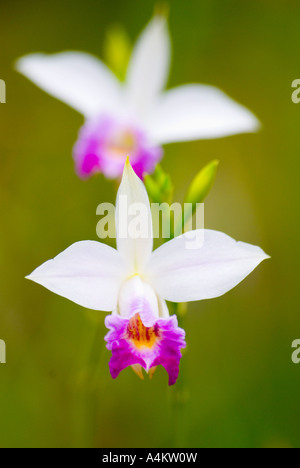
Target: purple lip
104	144
132	343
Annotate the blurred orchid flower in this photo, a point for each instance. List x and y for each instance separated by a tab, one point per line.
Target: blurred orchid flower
134	283
134	118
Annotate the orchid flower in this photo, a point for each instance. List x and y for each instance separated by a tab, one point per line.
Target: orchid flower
134	118
134	283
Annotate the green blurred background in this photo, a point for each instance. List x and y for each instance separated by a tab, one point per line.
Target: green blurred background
241	388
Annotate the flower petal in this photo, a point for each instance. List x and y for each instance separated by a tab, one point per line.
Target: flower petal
149	65
181	273
133	221
193	112
76	78
104	143
131	342
138	297
88	273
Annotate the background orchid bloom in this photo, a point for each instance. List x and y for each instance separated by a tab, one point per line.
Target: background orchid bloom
134	118
134	283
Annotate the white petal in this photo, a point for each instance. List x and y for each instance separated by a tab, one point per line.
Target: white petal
76	78
180	273
88	273
149	65
138	297
133	221
193	112
163	308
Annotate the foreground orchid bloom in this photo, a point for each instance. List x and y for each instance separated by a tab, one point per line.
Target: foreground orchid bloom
133	282
134	118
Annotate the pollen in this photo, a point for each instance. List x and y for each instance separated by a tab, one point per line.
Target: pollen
141	336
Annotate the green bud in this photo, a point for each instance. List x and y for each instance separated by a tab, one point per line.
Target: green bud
152	188
159	186
197	192
117	50
202	183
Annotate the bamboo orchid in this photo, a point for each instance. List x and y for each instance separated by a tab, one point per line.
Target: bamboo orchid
136	117
134	282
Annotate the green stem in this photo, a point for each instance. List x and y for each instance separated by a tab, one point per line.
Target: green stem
87	391
178	396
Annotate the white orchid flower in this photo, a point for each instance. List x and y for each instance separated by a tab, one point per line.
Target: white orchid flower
134	118
134	283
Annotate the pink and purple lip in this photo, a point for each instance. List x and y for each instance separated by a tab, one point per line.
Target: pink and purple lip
132	344
104	144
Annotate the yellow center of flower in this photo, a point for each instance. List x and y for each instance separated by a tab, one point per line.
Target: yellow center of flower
122	144
141	336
